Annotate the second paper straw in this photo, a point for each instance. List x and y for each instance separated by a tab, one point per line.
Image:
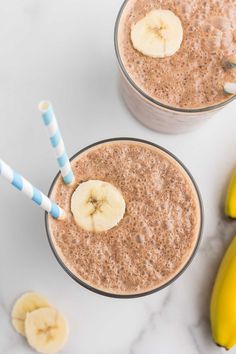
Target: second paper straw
57	142
30	191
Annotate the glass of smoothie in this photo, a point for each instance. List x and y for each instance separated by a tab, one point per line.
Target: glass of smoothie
175	58
157	233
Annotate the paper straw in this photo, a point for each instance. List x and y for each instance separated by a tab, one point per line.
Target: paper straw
33	193
56	140
230	87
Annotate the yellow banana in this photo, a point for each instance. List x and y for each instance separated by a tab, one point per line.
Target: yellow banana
230	204
223	301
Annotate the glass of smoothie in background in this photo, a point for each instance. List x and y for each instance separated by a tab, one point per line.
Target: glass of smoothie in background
176	93
160	230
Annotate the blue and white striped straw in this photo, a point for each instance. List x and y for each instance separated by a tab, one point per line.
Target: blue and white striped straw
33	193
56	140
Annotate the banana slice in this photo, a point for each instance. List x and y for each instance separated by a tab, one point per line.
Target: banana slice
159	34
46	330
97	206
26	303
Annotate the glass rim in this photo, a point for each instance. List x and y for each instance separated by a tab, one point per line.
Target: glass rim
182	270
149	98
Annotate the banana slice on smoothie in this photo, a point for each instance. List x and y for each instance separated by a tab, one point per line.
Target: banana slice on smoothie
159	34
46	330
97	205
25	304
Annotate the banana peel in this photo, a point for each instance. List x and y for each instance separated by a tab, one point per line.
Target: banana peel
230	203
223	301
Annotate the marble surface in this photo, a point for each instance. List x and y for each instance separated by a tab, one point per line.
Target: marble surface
63	50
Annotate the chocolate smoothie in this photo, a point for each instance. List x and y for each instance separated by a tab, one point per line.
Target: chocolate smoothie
158	233
195	75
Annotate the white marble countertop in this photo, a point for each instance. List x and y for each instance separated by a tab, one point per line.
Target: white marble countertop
63	50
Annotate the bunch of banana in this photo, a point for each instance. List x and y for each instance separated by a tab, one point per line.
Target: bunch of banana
158	35
230	204
44	327
223	301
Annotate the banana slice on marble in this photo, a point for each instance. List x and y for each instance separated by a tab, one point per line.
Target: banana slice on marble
97	205
26	303
46	330
159	34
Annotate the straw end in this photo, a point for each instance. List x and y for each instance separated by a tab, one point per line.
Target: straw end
69	179
57	213
73	182
62	216
44	106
